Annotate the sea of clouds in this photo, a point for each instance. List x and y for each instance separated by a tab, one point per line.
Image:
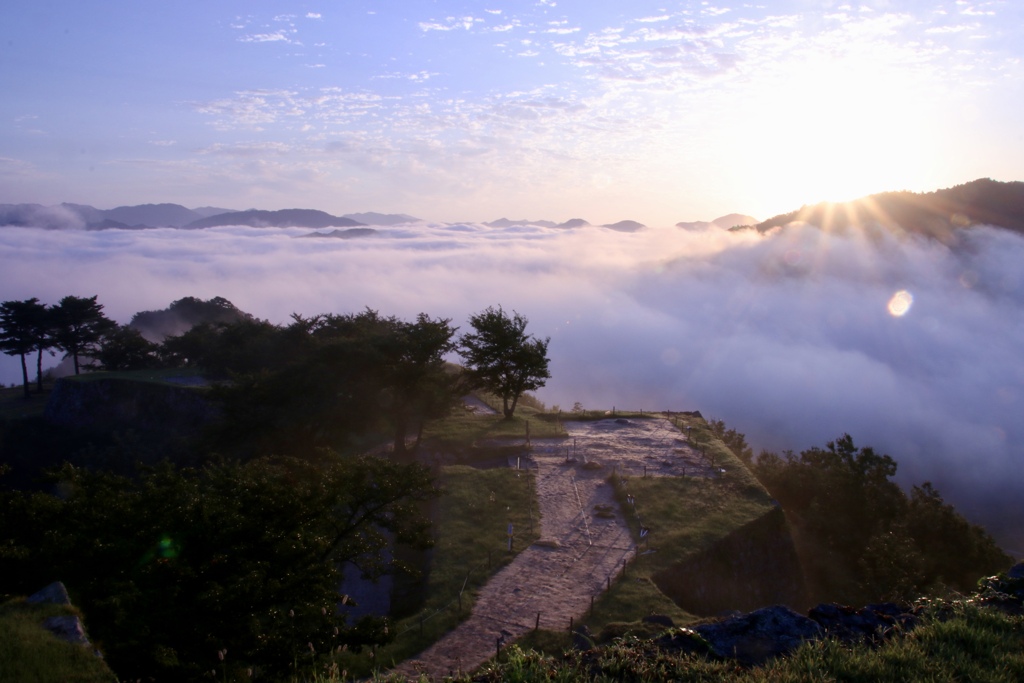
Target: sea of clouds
911	346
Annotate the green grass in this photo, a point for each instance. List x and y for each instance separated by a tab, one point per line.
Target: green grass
470	546
31	654
685	516
463	428
971	644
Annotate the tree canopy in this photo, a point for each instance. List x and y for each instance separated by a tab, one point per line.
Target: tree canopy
503	358
863	537
24	327
78	326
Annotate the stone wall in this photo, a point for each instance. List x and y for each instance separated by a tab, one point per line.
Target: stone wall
110	403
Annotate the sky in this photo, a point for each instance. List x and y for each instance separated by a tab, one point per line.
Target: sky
468	111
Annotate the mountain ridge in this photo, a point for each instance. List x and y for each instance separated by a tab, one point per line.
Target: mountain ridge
939	214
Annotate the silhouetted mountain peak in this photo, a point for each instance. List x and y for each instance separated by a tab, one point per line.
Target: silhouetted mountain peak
939	214
625	226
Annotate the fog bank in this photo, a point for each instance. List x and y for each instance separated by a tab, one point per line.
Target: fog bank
911	346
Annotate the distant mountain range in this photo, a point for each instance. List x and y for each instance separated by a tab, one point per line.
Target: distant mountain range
147	216
285	218
727	222
937	214
621	226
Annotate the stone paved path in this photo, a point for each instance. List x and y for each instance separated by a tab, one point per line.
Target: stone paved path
555	577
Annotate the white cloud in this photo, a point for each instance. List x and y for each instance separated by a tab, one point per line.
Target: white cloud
450	24
276	37
314	15
787	338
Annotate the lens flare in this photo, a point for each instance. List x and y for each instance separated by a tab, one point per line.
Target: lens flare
900	303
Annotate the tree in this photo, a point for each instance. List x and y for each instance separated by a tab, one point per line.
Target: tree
735	441
329	378
78	326
23	329
418	386
177	563
503	358
124	348
862	537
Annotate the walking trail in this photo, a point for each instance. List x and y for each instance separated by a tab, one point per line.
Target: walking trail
578	551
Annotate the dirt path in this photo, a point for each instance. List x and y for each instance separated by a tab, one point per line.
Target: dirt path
577	553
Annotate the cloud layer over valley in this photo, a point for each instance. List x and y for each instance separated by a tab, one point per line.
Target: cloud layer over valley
792	338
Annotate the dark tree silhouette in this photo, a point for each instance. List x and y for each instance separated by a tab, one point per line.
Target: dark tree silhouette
503	358
23	329
124	348
78	326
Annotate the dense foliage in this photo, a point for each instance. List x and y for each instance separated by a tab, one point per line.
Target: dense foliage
322	379
178	564
78	325
184	314
863	537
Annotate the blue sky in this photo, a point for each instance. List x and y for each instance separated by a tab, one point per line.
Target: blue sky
654	111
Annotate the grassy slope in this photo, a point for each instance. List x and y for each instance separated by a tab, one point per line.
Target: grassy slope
963	642
463	428
470	546
685	515
31	654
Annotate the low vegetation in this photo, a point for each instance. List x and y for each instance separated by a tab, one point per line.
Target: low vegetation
31	654
957	641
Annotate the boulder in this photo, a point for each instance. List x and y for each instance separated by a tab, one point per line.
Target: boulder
758	636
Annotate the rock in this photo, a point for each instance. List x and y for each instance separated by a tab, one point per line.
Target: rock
755	637
55	594
67	628
659	619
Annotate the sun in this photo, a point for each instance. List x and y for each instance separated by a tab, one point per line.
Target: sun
835	127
